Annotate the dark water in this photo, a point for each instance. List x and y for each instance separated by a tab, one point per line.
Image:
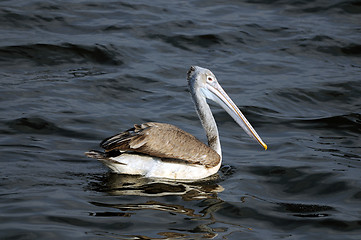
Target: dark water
75	72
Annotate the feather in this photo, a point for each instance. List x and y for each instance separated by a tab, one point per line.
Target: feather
163	141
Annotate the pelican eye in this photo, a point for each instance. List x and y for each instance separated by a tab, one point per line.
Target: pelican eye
209	78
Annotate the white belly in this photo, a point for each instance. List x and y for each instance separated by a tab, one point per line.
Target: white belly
155	168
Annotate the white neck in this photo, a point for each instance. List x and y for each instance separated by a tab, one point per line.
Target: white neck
207	120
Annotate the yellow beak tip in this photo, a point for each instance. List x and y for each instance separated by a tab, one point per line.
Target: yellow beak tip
265	147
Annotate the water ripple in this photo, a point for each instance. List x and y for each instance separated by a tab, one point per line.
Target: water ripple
75	72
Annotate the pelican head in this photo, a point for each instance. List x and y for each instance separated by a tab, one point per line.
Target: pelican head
203	85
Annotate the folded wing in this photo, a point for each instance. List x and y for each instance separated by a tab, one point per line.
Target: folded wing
164	141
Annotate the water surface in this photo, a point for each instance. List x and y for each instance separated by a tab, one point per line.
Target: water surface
73	73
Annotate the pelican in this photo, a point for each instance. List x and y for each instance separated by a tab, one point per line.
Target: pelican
160	150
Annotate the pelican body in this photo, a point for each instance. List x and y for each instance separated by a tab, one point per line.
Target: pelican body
160	150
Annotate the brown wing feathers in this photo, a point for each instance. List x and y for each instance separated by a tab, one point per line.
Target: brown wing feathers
122	140
164	141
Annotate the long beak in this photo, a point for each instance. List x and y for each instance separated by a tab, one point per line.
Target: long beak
217	94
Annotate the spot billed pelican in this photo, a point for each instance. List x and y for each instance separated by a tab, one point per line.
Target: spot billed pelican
160	150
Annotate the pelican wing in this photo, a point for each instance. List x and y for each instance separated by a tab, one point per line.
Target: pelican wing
164	141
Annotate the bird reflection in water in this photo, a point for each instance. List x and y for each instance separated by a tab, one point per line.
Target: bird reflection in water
117	184
159	196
